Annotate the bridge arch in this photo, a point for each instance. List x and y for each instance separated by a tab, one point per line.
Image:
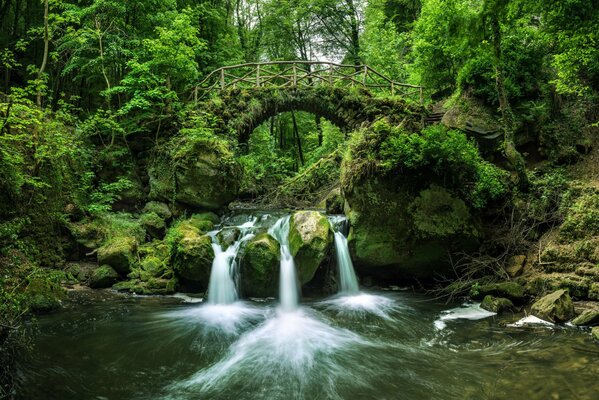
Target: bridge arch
243	97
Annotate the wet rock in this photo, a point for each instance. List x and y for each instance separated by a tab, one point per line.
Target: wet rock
587	318
191	251
103	277
227	236
81	271
119	253
155	286
310	242
334	202
509	290
554	307
204	221
260	263
515	265
496	304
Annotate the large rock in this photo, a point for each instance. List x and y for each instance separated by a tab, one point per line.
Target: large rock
587	318
161	209
310	241
154	224
192	253
496	304
119	253
554	307
260	263
509	290
595	332
396	233
202	173
103	277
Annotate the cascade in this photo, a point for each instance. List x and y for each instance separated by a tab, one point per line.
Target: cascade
288	293
222	288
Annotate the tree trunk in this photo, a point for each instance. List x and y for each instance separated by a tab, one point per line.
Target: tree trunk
46	49
298	140
355	32
511	153
319	129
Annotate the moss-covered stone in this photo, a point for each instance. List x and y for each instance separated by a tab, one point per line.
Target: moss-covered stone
577	286
191	253
198	172
260	263
587	318
496	304
595	332
43	295
154	224
310	242
554	307
334	202
514	265
155	286
227	236
119	253
509	290
103	277
161	209
594	291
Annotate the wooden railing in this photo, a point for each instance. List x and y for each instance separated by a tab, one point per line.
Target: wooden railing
297	74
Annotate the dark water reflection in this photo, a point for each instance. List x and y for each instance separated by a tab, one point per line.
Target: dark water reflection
119	347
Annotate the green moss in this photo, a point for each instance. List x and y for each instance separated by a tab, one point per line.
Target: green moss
554	307
191	252
260	262
509	290
496	304
436	213
103	277
119	253
43	292
161	209
310	241
582	219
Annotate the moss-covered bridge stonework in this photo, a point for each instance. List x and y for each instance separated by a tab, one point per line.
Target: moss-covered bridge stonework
239	111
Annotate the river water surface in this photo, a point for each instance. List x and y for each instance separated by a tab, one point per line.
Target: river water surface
380	345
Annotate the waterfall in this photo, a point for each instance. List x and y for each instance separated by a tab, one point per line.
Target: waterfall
348	282
222	288
288	293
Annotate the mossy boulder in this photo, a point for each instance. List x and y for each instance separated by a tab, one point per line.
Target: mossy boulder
595	332
43	295
334	202
159	208
554	307
396	233
103	277
198	172
154	286
587	318
310	242
509	290
155	225
191	251
226	237
119	253
594	291
496	304
260	263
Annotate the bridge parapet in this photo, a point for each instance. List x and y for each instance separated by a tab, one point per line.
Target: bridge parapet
302	74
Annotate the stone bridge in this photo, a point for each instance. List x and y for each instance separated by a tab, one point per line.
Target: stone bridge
244	96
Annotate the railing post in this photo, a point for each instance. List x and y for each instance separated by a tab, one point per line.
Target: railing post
392	88
365	74
421	96
195	94
294	75
222	79
258	75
